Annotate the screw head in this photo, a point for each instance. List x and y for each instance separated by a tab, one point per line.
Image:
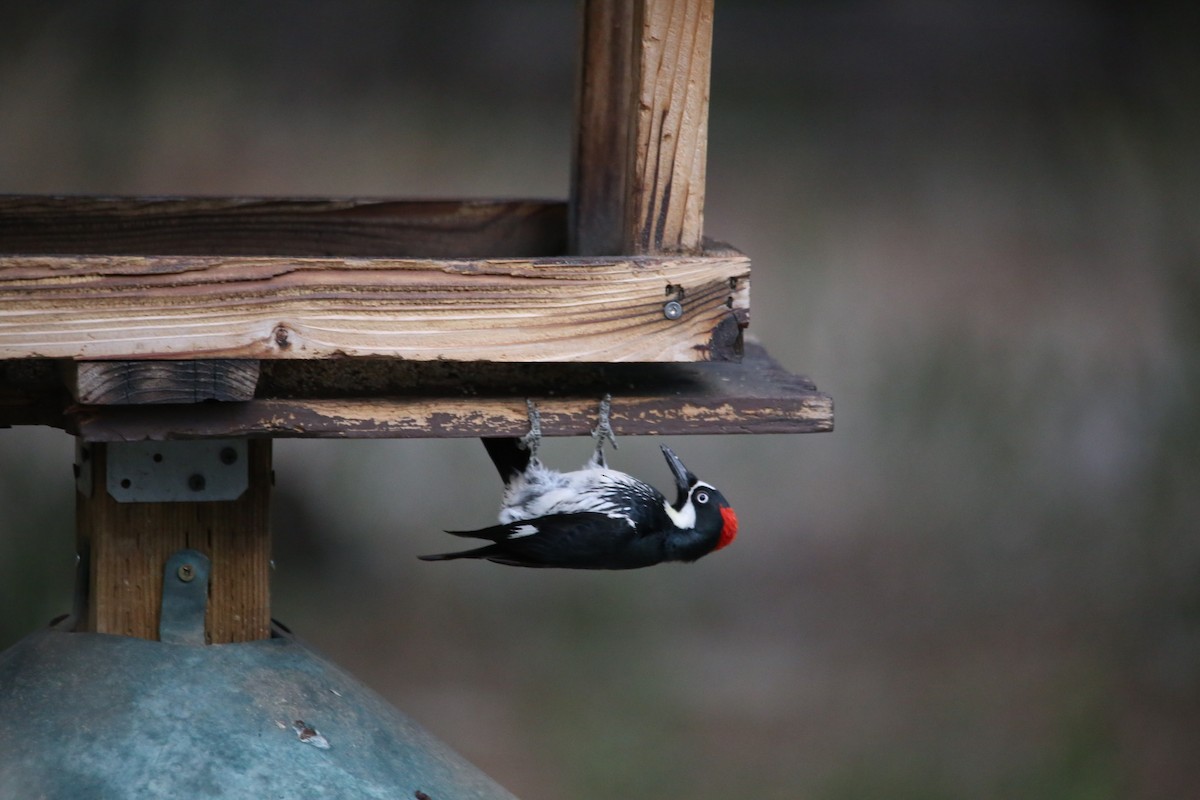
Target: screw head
197	482
186	573
672	309
228	455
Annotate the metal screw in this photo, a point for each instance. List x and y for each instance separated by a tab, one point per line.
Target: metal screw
228	455
196	482
672	309
186	573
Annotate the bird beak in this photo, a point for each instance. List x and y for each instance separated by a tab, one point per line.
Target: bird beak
684	479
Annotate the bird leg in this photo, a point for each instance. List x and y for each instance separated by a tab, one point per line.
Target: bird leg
603	432
533	439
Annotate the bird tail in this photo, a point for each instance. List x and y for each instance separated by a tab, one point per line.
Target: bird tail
494	533
478	552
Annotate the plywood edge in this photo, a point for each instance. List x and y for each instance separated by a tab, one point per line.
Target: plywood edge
757	396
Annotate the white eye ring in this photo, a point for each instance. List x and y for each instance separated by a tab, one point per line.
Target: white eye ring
702	497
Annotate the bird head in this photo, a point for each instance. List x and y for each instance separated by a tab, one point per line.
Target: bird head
699	506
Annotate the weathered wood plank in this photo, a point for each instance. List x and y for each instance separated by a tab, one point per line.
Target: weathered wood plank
281	227
642	127
604	121
144	382
204	307
431	400
128	544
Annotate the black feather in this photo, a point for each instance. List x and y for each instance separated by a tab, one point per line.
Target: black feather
579	540
478	552
509	454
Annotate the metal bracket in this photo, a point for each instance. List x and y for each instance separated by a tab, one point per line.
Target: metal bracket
175	472
184	598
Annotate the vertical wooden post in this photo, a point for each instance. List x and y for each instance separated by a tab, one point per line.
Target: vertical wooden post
129	543
641	128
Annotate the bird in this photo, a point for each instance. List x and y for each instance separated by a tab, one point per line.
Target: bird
594	517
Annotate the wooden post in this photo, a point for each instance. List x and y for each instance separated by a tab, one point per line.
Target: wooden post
641	127
128	544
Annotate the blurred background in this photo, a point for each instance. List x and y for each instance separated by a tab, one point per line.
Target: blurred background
973	223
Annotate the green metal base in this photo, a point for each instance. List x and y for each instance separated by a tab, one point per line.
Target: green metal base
108	717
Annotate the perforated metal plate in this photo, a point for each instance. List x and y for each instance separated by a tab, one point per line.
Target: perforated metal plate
171	472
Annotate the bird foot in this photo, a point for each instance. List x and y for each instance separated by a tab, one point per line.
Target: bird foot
603	431
532	440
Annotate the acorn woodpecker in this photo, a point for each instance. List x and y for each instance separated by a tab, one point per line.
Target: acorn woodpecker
595	517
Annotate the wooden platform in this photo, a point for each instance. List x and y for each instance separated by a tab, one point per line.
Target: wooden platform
371	398
189	317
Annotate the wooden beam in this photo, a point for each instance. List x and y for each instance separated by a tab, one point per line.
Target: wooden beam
387	399
253	226
128	544
641	127
142	382
602	166
95	307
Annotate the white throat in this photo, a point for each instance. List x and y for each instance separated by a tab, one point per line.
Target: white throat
685	517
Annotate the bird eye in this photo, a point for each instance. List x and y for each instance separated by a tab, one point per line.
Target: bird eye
701	497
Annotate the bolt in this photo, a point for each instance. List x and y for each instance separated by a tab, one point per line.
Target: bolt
228	455
196	482
672	309
186	573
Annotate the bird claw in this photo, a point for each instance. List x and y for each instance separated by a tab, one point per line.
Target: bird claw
603	431
533	439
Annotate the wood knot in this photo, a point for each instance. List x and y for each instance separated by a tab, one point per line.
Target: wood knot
281	337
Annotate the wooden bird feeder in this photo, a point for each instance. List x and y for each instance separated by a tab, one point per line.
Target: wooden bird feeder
127	320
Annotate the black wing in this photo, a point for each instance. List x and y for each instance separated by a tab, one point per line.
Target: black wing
569	541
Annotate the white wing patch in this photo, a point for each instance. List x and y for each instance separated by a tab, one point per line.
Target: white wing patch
523	530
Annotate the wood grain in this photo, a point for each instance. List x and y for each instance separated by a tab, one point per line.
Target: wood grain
143	382
97	307
385	399
642	127
281	227
602	164
128	544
